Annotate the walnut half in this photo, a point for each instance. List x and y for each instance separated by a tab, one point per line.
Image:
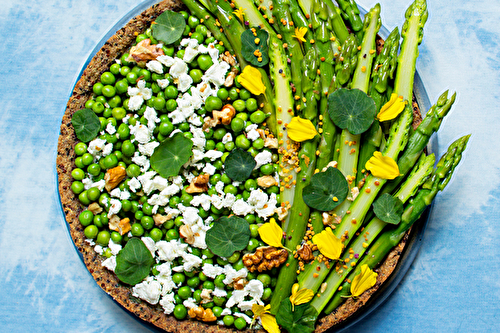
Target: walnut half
265	258
113	177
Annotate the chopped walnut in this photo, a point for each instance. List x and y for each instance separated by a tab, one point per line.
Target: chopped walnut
271	143
327	218
202	314
305	253
228	58
240	284
144	51
265	258
113	177
160	219
223	116
230	77
266	181
95	208
205	295
199	184
186	233
122	226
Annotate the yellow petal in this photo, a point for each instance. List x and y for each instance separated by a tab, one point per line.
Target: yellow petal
300	296
382	166
271	233
251	79
301	129
363	281
239	13
328	244
392	109
300	33
269	323
258	310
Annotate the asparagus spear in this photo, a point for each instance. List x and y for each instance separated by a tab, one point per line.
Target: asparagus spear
350	143
350	12
323	33
281	10
346	62
419	174
420	137
301	20
338	24
383	69
252	15
299	212
412	33
389	239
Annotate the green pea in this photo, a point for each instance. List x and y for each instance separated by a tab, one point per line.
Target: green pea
147	222
234	257
193	21
145	74
222	93
199	37
204	61
217	310
132	78
80	148
180	311
103	237
133	170
174	201
171	92
237	124
110	161
251	104
116	237
239	105
140	38
240	323
78	174
184	292
208	285
77	187
253	243
178	278
257	117
115	101
89	104
108	91
137	230
193	282
239	264
245	94
196	75
267	294
184	127
202	30
265	279
114	68
97	88
213	103
219	133
91	231
228	320
83	198
93	194
125	69
267	169
171	105
242	142
172	234
197	295
86	217
229	145
87	159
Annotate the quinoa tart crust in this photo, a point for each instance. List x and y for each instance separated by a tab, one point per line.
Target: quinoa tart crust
106	279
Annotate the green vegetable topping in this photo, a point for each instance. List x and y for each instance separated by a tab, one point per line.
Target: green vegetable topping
351	109
171	155
86	124
239	164
168	27
133	262
326	190
388	208
228	234
254	47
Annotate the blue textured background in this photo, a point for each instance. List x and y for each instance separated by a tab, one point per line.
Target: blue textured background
452	286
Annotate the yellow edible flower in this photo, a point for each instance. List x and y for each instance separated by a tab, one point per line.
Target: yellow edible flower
301	129
382	166
363	281
328	244
251	79
268	321
300	296
271	233
239	13
392	109
300	33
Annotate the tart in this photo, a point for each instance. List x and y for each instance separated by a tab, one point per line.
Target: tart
182	178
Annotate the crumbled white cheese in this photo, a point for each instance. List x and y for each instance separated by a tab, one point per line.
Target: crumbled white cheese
149	148
262	158
148	290
155	66
168	303
134	184
110	128
110	263
168	251
115	207
163	83
115	248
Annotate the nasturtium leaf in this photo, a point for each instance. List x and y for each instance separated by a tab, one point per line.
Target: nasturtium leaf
171	155
133	262
228	235
239	164
351	109
86	124
168	27
299	320
326	190
252	51
388	208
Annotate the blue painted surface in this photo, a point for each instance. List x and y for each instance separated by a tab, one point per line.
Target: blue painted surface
453	284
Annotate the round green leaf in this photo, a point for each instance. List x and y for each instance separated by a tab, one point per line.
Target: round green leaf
168	27
388	208
228	234
351	109
301	320
239	164
133	262
86	124
171	155
248	47
326	190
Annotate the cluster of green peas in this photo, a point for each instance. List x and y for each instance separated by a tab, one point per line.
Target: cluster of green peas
110	103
